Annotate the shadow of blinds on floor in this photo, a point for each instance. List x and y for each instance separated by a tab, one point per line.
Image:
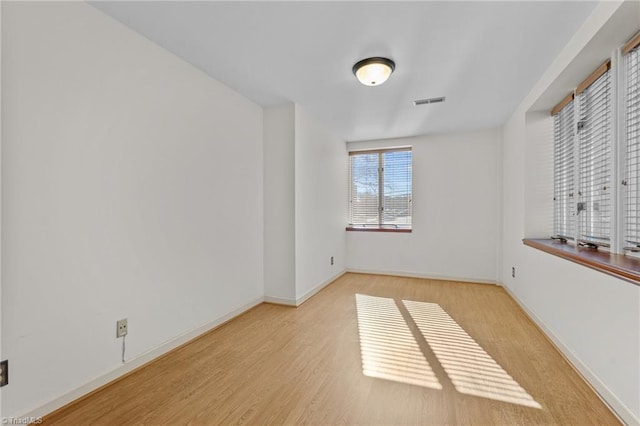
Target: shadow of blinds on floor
471	370
389	350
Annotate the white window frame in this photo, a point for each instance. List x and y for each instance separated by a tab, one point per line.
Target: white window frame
381	184
580	204
594	148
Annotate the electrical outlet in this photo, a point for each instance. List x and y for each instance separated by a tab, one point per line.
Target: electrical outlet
513	271
4	373
121	328
332	260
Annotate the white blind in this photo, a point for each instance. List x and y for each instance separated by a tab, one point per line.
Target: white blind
380	188
563	168
632	169
594	174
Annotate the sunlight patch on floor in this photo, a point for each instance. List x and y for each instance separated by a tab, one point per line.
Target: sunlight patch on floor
471	370
389	350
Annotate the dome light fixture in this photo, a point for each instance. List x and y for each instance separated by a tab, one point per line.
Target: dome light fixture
373	71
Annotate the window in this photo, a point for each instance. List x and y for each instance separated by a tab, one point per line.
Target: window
596	169
594	161
582	162
563	165
380	192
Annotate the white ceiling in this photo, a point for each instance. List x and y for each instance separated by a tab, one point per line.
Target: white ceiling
483	56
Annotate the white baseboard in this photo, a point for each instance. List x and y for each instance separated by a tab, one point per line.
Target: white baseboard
157	352
280	301
422	275
136	362
623	413
300	300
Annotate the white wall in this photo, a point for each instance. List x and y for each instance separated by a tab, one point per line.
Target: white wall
131	187
279	206
538	174
455	211
305	169
320	204
592	317
120	200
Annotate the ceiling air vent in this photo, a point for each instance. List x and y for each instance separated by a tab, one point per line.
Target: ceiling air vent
428	101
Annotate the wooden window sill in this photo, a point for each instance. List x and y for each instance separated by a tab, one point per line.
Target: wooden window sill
362	229
617	265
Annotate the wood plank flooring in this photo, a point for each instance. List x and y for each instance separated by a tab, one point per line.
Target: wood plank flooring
283	366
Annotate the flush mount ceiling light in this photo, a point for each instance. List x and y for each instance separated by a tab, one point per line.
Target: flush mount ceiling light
373	71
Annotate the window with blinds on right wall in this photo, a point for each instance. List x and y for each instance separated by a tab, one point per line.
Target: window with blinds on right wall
582	162
597	156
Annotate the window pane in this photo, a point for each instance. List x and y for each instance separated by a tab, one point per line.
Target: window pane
594	132
363	197
396	208
563	165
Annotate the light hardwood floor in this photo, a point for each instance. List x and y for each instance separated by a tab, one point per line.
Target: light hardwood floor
280	365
